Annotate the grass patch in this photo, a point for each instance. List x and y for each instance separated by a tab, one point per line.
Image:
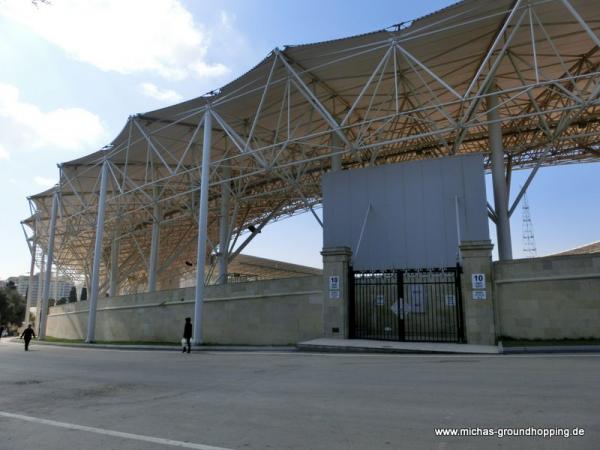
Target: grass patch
81	341
512	342
213	344
55	340
62	341
138	343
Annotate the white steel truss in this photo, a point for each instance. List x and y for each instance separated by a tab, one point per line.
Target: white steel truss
412	92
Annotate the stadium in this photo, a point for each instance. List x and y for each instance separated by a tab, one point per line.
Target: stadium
390	133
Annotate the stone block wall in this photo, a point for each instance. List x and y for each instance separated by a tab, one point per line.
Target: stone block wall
554	297
272	312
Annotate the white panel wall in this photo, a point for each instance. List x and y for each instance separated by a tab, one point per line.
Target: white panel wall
412	220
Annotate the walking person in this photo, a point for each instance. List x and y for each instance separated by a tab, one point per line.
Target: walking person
187	334
27	335
1	330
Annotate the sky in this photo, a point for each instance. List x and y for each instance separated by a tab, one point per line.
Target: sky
72	72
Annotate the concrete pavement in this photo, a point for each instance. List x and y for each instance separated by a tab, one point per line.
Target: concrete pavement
238	400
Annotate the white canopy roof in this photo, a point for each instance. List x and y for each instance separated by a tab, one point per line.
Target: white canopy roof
417	91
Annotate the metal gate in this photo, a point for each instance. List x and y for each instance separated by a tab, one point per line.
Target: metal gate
406	305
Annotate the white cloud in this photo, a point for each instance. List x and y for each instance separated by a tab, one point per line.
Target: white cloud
209	70
4	153
157	36
227	19
45	182
164	95
232	47
24	126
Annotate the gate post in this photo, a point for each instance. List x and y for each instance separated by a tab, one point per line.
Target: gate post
478	303
335	292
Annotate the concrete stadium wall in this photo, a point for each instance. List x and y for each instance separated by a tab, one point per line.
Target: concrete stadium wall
555	297
272	312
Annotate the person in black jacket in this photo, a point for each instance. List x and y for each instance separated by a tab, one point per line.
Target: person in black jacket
187	334
27	334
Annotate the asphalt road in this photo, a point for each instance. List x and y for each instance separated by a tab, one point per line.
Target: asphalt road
237	400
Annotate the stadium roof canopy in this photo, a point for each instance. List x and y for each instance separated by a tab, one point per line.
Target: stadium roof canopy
594	247
419	90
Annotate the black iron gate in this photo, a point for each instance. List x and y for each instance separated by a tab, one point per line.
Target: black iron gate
406	305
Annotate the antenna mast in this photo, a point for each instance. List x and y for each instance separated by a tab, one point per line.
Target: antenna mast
528	238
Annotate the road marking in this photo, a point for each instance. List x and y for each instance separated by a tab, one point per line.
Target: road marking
137	437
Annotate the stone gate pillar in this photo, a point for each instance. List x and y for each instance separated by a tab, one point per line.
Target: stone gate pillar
476	287
335	291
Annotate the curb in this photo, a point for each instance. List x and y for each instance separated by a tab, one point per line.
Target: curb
549	349
381	350
540	349
330	349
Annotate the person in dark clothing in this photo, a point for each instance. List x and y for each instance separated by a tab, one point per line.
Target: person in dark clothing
187	334
27	335
1	331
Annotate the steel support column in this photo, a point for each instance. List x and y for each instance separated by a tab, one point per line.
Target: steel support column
95	283
202	228
224	225
499	180
114	264
40	295
336	159
31	277
155	243
49	260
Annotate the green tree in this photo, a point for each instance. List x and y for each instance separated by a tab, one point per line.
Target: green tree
73	295
12	306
